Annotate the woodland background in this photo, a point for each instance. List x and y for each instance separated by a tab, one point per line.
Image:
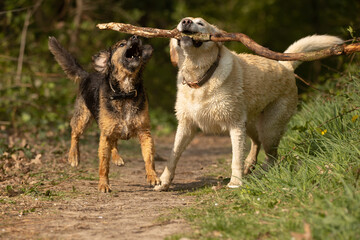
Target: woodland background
312	193
35	94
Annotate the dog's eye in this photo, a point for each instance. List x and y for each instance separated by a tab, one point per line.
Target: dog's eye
200	23
122	44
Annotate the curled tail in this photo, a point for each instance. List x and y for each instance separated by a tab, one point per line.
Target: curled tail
67	62
309	44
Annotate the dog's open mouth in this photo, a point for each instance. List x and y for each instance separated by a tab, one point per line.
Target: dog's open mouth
195	43
133	52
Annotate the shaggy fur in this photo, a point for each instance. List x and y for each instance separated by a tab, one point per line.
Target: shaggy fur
115	97
246	95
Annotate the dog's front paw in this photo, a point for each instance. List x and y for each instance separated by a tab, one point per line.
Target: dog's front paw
74	157
165	179
152	180
104	187
162	187
235	182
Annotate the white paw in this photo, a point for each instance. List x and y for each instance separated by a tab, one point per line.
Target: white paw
233	186
235	182
162	187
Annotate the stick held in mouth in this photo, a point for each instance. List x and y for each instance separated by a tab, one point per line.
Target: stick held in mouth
147	32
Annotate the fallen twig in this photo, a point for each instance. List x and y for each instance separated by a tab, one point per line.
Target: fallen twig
239	37
311	86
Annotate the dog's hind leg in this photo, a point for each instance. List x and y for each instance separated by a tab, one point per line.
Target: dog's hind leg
273	125
104	159
148	151
184	134
251	159
115	157
78	123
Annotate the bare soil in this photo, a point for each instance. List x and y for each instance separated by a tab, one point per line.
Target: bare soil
43	197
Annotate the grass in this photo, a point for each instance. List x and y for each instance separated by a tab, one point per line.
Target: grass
314	190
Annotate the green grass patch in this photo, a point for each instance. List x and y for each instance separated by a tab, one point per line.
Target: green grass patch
315	183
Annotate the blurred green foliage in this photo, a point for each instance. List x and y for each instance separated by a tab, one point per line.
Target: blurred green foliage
43	97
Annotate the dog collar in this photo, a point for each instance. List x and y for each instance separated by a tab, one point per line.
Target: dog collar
205	77
121	94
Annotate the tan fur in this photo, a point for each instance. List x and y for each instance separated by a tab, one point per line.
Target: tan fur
115	157
132	123
80	120
246	95
113	129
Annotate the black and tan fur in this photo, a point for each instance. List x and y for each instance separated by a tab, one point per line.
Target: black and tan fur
114	96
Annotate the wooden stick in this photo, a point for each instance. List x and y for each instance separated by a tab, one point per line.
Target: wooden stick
239	37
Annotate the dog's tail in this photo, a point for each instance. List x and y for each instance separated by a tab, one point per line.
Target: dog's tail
67	62
308	44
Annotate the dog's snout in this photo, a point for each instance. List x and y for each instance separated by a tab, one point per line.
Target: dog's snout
134	40
186	22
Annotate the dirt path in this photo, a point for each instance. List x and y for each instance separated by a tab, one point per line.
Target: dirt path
63	203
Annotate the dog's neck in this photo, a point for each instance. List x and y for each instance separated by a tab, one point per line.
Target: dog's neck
123	80
199	67
124	85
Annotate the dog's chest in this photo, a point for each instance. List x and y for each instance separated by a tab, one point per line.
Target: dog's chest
126	120
211	112
119	119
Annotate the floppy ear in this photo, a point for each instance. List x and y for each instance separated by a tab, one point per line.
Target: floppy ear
147	52
174	56
100	61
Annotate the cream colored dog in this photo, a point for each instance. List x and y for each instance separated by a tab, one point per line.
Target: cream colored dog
243	94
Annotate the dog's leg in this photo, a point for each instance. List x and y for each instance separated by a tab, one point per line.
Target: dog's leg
184	134
273	125
78	123
115	157
147	149
251	159
238	136
104	158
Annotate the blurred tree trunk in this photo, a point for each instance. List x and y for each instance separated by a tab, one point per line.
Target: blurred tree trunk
77	20
29	13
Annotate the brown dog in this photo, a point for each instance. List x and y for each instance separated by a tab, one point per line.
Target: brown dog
115	97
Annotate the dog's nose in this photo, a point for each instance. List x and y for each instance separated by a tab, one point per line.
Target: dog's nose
134	37
186	22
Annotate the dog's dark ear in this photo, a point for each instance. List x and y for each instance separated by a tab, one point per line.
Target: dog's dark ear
101	60
147	52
